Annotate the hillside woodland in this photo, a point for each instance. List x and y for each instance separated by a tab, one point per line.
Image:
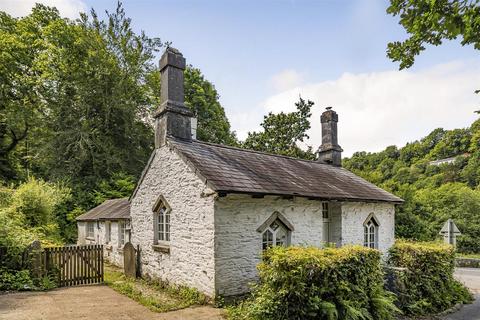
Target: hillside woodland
432	193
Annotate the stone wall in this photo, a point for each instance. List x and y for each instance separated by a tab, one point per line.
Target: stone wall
238	245
112	251
190	260
354	215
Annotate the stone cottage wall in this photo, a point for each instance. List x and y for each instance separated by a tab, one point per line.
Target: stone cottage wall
191	258
112	251
238	245
354	215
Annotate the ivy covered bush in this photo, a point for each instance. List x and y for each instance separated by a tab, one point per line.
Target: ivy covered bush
426	284
313	283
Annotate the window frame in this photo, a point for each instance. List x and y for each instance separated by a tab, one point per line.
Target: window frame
90	234
370	230
266	227
108	232
166	237
122	235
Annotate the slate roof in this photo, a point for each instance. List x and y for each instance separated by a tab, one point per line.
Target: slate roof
113	209
233	170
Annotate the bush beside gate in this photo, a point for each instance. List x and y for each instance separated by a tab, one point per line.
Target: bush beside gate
313	283
425	285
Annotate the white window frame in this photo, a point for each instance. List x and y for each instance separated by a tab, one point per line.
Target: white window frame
268	227
370	232
108	232
162	222
326	222
122	236
90	234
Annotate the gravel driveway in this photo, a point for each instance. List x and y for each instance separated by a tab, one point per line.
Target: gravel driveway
89	303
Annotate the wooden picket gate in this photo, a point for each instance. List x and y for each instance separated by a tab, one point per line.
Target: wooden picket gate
75	265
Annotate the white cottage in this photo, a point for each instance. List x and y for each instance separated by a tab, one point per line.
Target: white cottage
202	213
107	224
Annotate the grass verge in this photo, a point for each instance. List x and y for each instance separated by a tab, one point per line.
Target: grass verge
155	295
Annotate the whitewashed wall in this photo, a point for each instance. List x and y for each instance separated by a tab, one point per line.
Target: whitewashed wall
112	251
354	215
238	245
191	258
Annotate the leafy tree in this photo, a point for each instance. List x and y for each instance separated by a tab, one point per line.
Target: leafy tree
430	23
202	98
283	131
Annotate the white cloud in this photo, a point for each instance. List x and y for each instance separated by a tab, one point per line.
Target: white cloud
389	108
20	8
286	79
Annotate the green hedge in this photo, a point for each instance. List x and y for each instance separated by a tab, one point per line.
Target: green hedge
312	283
426	284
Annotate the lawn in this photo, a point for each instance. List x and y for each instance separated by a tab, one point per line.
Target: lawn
157	296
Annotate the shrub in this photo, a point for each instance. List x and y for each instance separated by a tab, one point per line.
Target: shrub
313	283
15	280
468	244
426	285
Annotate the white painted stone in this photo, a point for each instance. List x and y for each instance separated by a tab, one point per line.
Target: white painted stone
238	245
190	261
112	251
354	215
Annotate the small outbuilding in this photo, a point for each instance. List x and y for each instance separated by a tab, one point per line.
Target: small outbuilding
107	224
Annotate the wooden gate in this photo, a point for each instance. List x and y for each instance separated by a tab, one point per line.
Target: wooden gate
75	265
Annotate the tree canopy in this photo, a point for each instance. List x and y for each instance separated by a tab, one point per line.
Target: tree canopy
282	132
76	103
430	23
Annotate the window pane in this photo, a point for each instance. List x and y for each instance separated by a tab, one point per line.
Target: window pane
267	239
281	237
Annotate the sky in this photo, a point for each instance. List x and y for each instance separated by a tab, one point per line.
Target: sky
261	55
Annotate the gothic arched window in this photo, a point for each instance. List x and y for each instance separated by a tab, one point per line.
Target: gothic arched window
370	232
275	231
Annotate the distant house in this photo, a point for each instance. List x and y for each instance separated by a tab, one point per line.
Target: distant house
107	224
448	160
203	213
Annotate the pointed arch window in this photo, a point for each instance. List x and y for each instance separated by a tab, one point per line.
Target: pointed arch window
275	231
370	232
161	220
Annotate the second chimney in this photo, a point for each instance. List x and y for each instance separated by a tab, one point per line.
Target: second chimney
172	117
330	152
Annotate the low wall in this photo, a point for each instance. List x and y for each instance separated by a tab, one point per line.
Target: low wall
467	263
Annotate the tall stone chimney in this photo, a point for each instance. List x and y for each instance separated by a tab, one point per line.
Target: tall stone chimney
330	152
172	117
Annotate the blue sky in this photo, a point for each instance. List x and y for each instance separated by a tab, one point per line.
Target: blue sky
261	54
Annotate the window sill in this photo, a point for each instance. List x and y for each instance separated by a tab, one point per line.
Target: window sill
90	238
165	248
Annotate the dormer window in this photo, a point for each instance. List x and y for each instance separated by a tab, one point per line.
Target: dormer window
370	232
161	211
275	231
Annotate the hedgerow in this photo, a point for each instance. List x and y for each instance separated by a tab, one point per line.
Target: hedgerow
426	284
312	283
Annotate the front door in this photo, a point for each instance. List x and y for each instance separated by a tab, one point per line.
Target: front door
326	223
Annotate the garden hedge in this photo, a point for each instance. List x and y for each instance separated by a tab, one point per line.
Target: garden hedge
313	283
425	284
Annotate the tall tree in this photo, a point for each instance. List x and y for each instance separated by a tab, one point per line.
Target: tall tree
431	22
203	99
283	132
